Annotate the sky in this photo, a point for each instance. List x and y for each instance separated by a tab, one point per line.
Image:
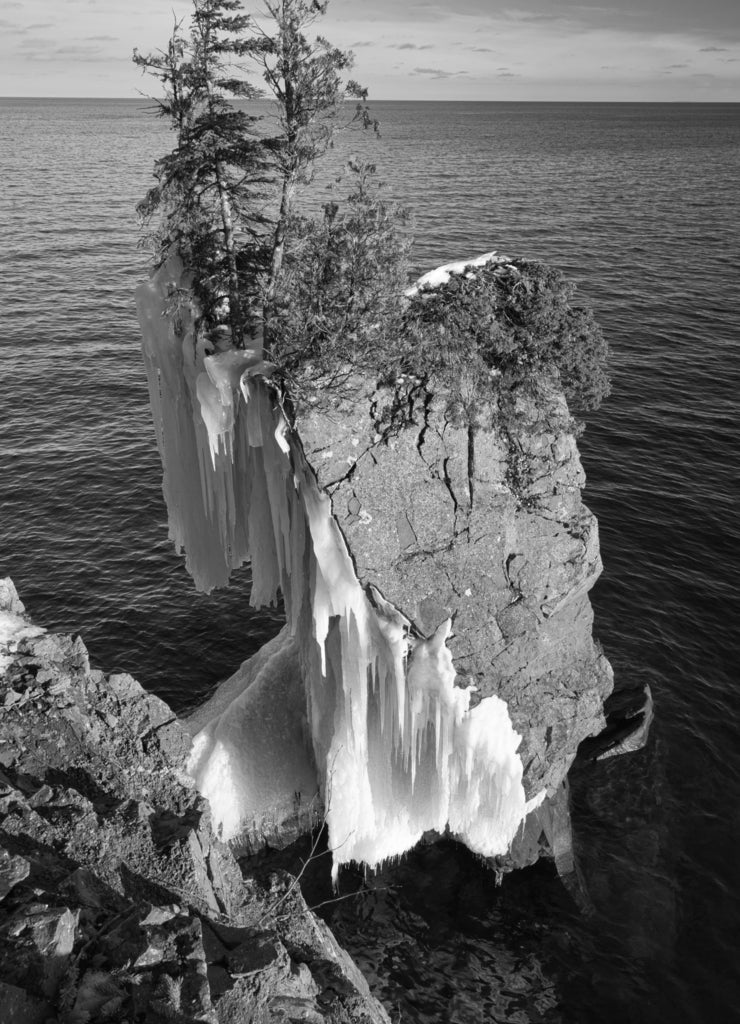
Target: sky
626	50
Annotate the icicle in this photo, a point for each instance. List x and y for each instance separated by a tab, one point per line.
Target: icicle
535	802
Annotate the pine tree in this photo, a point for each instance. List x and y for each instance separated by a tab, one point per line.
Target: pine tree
343	280
225	196
211	188
306	79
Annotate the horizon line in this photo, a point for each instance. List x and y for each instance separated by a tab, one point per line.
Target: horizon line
588	102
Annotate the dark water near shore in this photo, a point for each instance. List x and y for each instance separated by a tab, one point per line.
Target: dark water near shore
640	204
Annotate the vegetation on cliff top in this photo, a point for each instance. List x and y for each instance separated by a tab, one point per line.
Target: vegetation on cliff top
504	328
490	335
327	292
224	198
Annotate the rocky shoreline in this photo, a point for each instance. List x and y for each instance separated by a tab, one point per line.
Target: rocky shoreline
117	901
389	527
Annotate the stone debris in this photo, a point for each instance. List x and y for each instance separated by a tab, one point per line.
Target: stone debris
254	954
117	901
12	871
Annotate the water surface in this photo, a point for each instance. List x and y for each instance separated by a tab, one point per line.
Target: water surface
638	203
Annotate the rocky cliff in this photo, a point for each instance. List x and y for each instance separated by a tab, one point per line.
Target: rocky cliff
117	902
437	671
440	529
435	521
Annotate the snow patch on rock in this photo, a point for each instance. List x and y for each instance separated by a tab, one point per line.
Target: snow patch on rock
14	626
441	275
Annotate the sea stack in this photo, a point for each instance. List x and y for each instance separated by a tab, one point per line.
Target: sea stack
437	671
436	522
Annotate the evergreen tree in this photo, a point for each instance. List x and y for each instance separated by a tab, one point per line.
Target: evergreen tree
210	190
342	287
225	196
306	79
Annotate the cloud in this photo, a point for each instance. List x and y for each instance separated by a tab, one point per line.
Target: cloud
76	50
34	43
713	49
361	42
507	74
595	9
102	39
73	52
480	49
437	72
410	46
677	65
514	14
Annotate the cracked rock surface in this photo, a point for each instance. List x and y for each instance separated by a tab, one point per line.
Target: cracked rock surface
117	902
434	520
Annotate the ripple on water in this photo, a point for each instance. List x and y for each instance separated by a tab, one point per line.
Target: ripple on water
638	204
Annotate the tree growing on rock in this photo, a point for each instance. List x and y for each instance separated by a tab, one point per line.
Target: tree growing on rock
306	79
504	329
342	292
210	189
225	195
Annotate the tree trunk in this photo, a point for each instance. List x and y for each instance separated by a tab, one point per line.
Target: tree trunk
278	251
290	175
235	306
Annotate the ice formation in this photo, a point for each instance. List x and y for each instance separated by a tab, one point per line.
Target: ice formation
14	626
441	275
261	709
397	747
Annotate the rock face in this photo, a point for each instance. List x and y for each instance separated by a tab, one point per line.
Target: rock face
117	902
486	528
386	518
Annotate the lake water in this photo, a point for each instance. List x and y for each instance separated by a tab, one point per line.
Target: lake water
641	205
